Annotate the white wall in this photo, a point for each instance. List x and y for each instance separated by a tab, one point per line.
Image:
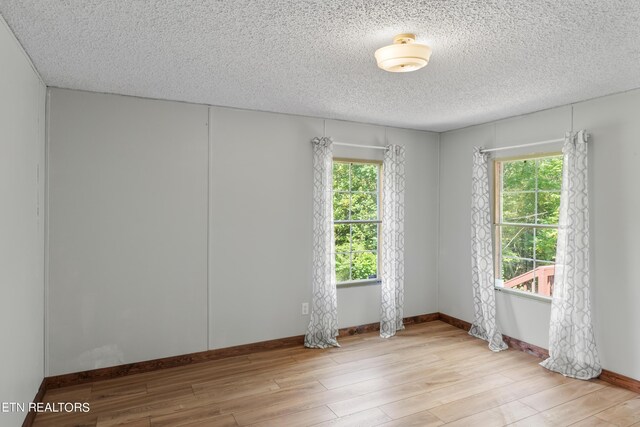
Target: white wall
615	239
261	220
128	227
260	224
614	123
22	127
127	230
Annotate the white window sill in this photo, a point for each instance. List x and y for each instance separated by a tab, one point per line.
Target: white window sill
523	294
354	283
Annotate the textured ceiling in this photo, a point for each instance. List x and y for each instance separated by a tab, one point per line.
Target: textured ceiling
491	59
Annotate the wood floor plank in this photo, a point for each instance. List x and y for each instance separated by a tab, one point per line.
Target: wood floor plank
190	416
118	391
295	397
158	410
378	398
558	395
67	421
399	408
229	373
501	361
496	417
330	375
498	396
109	406
623	414
231	391
142	422
304	372
420	419
592	422
427	375
81	392
296	404
520	373
299	419
376	372
578	409
223	421
368	418
124	401
138	423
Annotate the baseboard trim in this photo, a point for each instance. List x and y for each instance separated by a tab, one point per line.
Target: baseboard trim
534	350
373	327
542	353
92	375
454	321
620	380
31	416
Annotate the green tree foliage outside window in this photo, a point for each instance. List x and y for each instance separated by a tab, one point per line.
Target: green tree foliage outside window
355	214
527	218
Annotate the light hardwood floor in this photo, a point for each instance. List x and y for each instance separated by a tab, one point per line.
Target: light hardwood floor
430	374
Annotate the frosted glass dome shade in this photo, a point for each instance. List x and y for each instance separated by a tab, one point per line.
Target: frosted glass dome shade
403	55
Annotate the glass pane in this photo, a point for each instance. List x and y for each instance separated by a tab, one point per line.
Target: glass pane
516	241
364	206
519	207
546	242
340	176
519	175
341	232
364	266
365	237
550	173
548	207
340	206
518	274
343	267
364	177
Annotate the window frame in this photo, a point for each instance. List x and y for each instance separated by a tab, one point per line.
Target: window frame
496	221
378	221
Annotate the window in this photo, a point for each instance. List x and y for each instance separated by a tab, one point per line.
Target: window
526	212
356	196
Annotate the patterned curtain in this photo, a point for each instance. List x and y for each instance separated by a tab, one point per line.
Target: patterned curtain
572	345
392	242
482	276
323	326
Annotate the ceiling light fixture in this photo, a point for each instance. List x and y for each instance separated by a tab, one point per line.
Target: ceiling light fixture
403	55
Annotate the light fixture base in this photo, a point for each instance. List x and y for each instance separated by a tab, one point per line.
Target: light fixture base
405	38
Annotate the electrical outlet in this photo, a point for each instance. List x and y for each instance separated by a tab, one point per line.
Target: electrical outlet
305	308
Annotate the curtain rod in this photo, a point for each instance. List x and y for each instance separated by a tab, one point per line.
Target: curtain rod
375	147
585	138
